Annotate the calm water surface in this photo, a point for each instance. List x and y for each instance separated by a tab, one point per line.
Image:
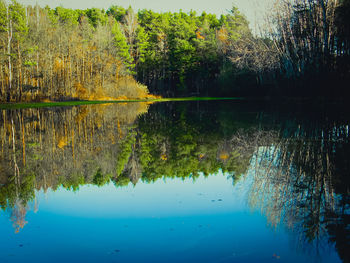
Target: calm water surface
175	182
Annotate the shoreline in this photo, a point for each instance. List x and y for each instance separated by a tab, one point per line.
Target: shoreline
23	105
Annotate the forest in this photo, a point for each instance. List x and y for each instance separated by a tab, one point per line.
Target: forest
119	53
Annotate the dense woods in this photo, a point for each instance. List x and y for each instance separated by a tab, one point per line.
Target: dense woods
312	41
62	53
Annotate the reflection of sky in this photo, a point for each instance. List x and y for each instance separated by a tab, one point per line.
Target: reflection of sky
160	199
172	221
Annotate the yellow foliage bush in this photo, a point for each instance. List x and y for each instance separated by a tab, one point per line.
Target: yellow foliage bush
224	156
58	64
62	142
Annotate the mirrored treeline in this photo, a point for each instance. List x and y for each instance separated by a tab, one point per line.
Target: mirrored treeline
295	159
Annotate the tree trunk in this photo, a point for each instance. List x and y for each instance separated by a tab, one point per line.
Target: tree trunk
9	39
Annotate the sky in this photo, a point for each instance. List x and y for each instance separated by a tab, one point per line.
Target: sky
253	9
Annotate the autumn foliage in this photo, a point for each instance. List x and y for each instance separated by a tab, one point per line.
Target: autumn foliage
57	54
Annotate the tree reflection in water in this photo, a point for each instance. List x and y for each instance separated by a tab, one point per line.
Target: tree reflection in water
301	180
298	165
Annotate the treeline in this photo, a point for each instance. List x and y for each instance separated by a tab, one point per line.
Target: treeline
62	53
94	53
80	53
313	44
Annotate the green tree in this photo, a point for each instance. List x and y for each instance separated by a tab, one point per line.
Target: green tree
117	12
96	16
122	45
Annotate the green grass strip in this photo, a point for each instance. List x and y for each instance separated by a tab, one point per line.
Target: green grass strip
84	102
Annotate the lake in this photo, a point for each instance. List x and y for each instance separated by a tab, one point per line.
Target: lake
200	181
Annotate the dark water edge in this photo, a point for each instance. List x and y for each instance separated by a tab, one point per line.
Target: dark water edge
287	101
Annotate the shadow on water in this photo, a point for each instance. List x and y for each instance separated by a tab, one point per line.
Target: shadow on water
294	155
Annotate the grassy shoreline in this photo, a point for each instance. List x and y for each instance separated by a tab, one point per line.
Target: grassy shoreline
23	105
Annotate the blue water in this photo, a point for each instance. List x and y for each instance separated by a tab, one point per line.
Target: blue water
282	198
172	220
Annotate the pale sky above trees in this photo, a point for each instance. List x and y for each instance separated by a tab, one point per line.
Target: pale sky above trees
251	8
